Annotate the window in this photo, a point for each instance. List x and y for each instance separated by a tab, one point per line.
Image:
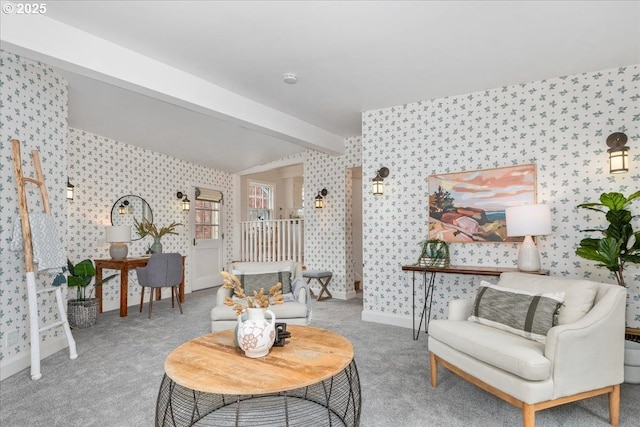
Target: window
260	201
207	220
207	207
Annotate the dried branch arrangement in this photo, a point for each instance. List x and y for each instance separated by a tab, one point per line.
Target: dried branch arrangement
259	298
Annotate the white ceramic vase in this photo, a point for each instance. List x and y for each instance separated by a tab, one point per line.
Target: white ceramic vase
255	334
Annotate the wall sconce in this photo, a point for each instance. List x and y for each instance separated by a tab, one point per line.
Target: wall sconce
69	190
122	209
618	153
378	181
528	220
186	203
319	200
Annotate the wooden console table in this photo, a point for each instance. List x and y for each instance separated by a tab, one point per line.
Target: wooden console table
634	332
429	288
124	265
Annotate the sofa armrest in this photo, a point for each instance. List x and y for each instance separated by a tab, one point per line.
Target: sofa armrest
459	309
589	353
222	294
302	295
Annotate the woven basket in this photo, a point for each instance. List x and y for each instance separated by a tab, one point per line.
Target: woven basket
433	262
82	314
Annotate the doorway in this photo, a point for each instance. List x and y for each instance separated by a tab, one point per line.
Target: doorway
208	235
356	225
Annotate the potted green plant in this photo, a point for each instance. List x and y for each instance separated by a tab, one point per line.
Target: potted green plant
147	228
619	244
435	253
82	311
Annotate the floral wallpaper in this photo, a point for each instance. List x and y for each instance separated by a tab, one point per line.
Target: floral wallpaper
559	124
104	170
328	243
34	111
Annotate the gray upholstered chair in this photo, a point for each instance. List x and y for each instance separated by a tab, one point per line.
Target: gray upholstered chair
162	271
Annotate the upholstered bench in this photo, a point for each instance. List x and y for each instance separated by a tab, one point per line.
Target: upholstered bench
323	277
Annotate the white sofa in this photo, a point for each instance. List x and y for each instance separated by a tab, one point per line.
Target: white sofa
294	311
581	357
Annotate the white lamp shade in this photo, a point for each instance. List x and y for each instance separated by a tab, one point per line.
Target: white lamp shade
118	233
528	220
618	161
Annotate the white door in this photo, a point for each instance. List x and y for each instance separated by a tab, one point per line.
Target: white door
207	252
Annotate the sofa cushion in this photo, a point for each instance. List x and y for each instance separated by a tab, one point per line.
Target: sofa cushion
579	295
284	311
520	312
504	350
254	281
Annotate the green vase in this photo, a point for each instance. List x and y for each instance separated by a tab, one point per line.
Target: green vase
156	248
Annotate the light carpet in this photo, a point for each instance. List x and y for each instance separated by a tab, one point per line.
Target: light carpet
115	379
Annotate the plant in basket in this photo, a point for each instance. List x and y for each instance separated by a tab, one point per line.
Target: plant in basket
82	311
435	253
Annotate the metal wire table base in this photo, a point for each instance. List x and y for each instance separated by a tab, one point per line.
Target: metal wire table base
332	402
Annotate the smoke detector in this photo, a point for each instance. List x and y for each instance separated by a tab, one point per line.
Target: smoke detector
290	78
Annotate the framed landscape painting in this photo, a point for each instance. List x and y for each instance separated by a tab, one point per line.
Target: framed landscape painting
469	207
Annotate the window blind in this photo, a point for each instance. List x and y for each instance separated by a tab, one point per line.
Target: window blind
209	195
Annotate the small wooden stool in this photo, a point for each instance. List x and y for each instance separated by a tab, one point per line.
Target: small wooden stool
319	276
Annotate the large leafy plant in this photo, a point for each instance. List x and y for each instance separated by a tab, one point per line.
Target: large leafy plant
619	244
80	277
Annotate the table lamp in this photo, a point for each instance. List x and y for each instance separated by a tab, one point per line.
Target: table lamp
527	221
118	236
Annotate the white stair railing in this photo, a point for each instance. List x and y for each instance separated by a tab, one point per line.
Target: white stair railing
272	240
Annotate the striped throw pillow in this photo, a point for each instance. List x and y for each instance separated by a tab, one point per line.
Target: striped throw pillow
527	314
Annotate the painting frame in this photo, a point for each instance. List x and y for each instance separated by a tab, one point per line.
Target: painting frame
469	206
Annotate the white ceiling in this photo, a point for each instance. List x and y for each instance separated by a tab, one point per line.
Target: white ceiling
202	80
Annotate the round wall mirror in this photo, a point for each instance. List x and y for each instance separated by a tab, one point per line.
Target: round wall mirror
126	208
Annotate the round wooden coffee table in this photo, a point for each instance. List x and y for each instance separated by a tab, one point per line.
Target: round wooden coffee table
311	381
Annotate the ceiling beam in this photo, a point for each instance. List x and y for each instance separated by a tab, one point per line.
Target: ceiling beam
52	42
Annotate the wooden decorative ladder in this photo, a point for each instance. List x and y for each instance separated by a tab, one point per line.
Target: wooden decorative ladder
32	293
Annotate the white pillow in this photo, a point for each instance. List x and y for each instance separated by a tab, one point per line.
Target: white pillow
579	297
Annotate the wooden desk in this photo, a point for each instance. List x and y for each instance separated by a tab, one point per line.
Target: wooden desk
124	265
311	380
452	269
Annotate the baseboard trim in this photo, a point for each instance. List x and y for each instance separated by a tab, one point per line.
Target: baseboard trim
12	365
387	319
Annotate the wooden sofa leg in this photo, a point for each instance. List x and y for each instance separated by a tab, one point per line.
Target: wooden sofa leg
433	368
614	406
528	415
